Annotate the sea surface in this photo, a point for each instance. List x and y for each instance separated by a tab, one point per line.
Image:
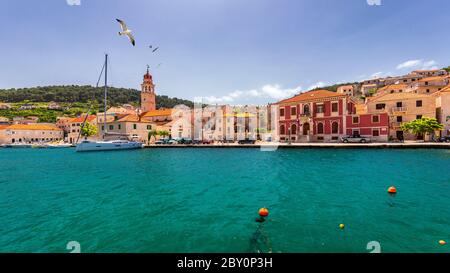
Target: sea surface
206	200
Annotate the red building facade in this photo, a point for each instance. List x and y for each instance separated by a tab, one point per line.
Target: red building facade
374	126
325	116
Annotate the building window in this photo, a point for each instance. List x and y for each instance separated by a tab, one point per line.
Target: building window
418	103
426	83
294	129
335	128
111	127
418	116
282	112
375	119
119	126
282	130
306	109
334	107
399	104
355	120
134	126
320	108
149	127
375	132
293	111
320	128
380	106
428	90
399	119
103	128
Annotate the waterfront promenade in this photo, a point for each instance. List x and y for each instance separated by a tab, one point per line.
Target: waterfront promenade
268	145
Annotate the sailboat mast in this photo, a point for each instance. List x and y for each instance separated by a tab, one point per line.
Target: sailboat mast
106	91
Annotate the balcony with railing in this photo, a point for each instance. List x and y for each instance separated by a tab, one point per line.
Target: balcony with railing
399	110
396	124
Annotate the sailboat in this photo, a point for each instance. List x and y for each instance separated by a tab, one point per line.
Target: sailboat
87	145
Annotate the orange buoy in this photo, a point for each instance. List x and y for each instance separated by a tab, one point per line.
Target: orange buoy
392	190
442	242
263	212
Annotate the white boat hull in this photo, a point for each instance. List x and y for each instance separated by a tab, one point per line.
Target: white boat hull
87	146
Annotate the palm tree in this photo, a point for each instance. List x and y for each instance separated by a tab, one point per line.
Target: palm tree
152	133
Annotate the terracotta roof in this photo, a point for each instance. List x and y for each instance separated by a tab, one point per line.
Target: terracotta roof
394	86
436	78
312	95
4	126
158	113
131	118
445	89
81	119
430	70
43	127
398	96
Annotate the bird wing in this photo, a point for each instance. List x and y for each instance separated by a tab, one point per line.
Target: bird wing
130	36
155	49
122	24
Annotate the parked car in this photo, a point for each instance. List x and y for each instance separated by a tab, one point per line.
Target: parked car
185	141
355	139
444	139
206	141
196	141
172	141
247	141
162	141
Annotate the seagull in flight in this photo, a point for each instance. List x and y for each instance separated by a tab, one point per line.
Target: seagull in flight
126	31
153	49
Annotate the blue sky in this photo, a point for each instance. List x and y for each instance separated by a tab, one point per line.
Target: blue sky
228	51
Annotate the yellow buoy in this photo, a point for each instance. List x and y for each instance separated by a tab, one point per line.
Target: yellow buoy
442	242
341	226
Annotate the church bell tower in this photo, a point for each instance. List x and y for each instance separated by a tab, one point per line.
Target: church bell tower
148	97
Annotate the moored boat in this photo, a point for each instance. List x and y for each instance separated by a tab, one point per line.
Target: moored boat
87	145
107	145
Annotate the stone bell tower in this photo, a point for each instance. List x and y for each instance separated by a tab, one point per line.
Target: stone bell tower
148	97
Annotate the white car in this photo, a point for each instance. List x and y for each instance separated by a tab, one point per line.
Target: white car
355	139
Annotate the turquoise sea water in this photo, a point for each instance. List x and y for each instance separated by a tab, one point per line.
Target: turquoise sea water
206	200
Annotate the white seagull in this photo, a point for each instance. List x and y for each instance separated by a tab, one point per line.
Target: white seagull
125	31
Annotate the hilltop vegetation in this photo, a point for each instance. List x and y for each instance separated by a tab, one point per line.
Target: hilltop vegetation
73	100
83	94
334	87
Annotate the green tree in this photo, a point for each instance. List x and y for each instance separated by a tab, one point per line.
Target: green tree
88	130
163	133
447	69
422	126
152	133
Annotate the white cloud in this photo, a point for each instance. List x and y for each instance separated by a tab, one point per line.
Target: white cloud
429	65
409	64
268	92
317	85
422	64
377	74
73	2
